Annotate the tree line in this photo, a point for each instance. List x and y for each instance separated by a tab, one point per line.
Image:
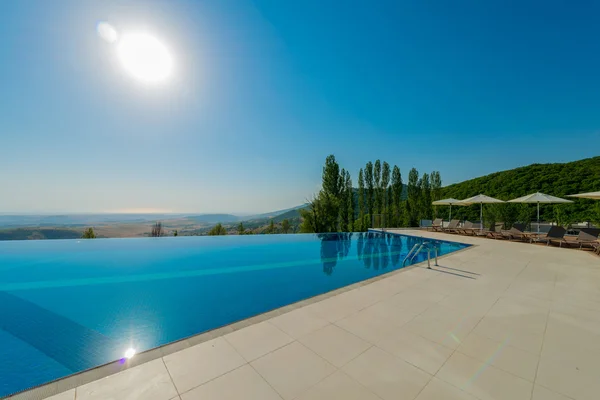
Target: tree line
381	198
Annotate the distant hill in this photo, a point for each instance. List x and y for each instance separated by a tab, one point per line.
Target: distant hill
558	179
77	220
214	218
273	214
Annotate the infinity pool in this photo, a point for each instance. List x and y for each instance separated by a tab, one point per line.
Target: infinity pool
70	305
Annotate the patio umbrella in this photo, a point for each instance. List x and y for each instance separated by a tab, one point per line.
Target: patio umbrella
447	202
539	198
480	199
591	195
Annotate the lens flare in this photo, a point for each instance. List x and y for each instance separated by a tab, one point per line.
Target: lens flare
107	32
129	353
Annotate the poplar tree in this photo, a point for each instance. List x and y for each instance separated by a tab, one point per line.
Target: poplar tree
361	201
397	195
412	204
377	179
385	181
349	203
343	201
426	206
370	188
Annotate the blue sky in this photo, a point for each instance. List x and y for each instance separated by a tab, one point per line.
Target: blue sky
264	90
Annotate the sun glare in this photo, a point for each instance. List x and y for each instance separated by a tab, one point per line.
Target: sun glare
144	57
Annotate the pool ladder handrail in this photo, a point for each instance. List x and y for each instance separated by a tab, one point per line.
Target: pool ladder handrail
420	246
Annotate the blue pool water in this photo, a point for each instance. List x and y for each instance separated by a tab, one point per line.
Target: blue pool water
70	305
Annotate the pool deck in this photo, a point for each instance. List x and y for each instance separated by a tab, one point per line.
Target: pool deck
499	320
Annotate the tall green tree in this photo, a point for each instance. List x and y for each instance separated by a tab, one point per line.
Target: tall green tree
436	185
89	234
331	177
349	203
385	181
285	226
377	182
426	207
397	196
343	210
217	230
436	189
370	189
320	215
412	204
361	202
241	229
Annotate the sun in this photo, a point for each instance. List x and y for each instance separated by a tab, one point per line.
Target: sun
144	57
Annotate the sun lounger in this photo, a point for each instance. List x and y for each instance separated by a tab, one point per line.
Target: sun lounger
517	232
586	237
465	229
489	232
555	234
452	226
496	231
436	225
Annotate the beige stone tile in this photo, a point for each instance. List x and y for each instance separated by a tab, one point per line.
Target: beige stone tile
243	383
299	322
149	381
416	350
541	393
334	308
367	326
518	337
437	389
391	311
198	364
387	375
483	381
338	386
257	340
292	369
335	344
568	378
449	332
501	355
176	398
68	395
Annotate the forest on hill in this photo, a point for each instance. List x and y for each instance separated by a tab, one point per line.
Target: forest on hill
557	179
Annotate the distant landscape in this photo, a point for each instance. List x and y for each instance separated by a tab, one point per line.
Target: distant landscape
24	227
558	179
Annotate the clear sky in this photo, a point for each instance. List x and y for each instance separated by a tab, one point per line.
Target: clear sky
262	91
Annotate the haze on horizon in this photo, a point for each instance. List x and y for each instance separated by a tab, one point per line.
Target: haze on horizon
251	96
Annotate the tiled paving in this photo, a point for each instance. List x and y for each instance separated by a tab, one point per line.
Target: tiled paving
498	321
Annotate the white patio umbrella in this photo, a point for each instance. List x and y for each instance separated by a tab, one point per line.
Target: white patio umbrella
591	195
480	199
539	198
447	202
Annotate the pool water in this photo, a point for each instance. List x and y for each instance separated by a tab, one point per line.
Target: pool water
70	305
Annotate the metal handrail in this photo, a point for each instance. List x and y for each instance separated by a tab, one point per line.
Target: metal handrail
409	253
426	245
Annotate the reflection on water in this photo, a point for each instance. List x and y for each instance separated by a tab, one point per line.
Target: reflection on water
375	250
334	247
396	248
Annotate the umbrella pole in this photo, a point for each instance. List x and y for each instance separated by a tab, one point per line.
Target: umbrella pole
481	217
538	219
449	219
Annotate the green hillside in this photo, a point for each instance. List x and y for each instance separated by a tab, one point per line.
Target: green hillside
554	179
